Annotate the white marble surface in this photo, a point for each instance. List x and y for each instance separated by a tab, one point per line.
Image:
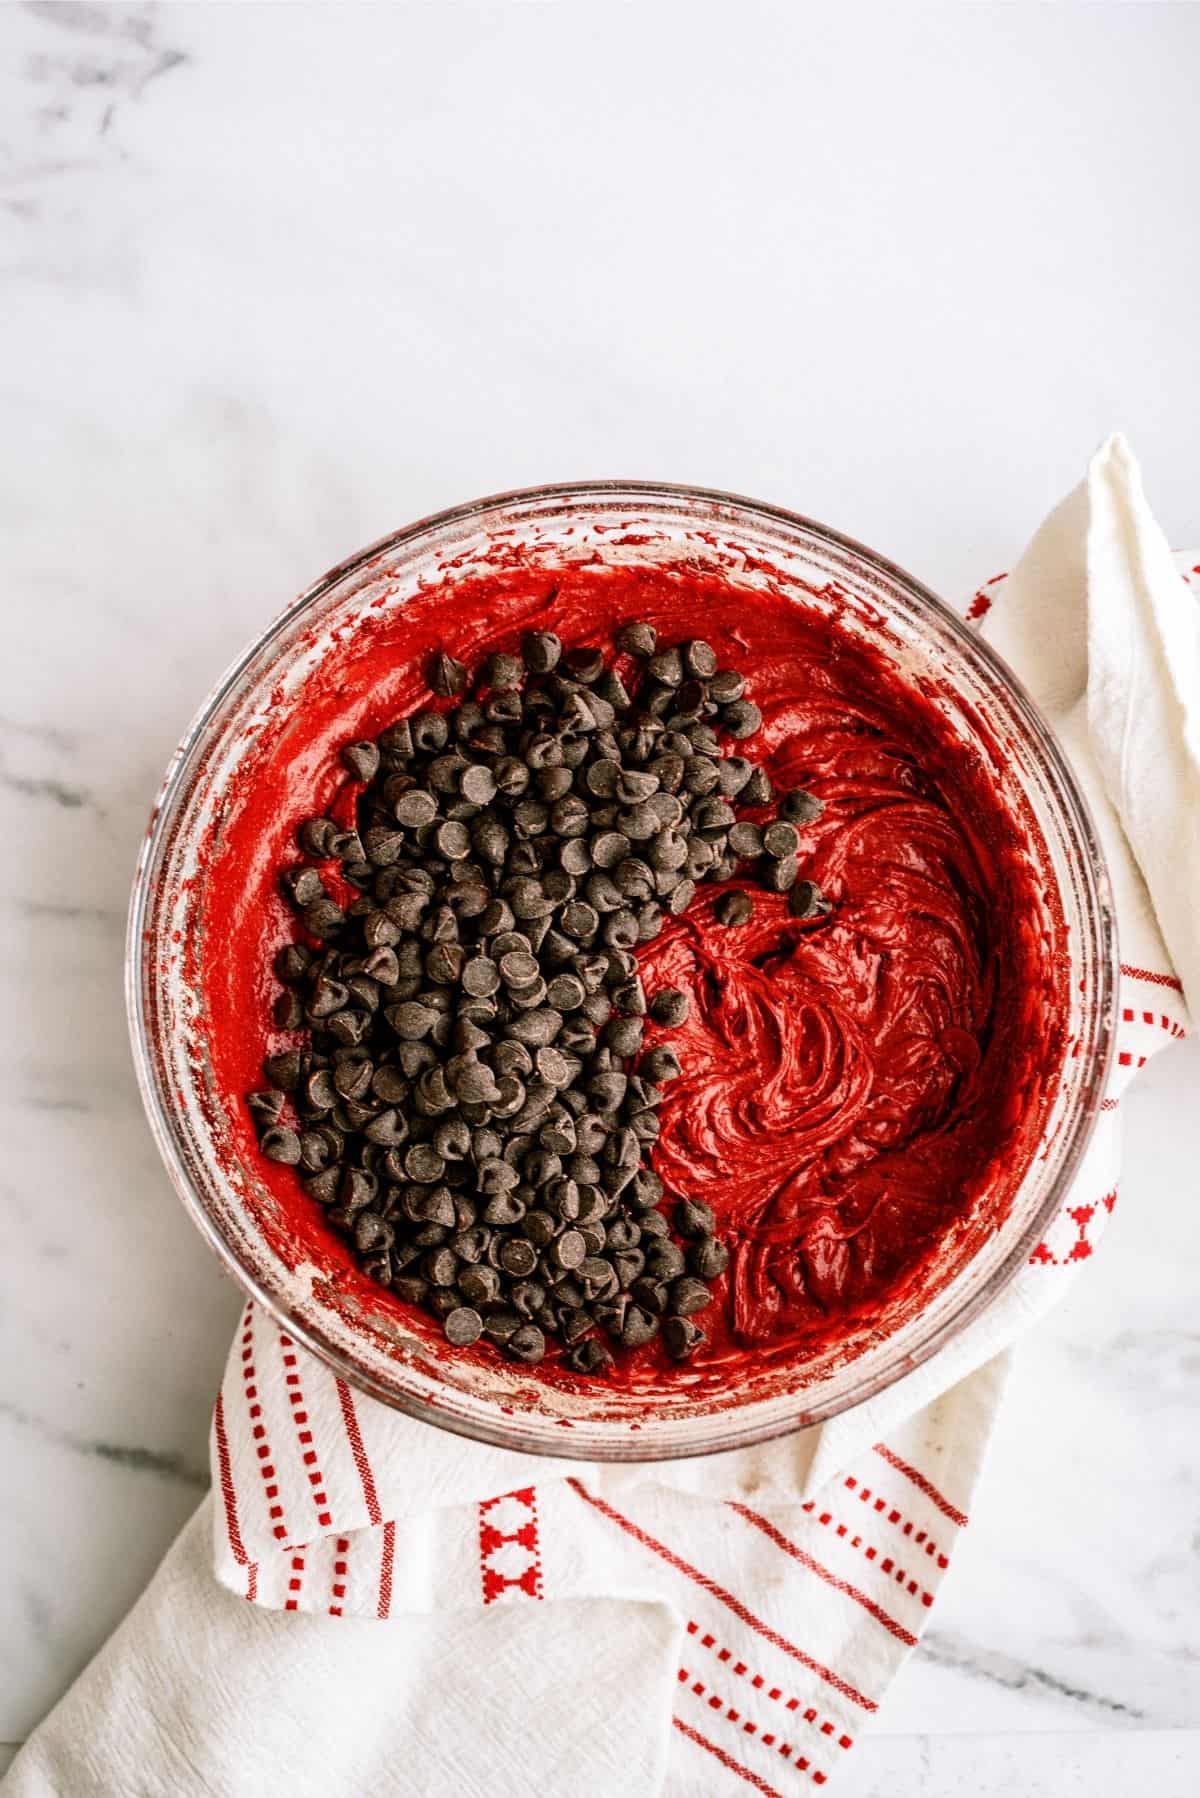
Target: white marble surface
277	278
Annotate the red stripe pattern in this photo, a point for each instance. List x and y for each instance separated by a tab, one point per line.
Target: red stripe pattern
361	1462
1081	1247
981	600
726	1598
730	1714
923	1484
341	1568
229	1499
387	1559
258	1430
304	1434
726	1760
793	1705
510	1554
1153	977
759	1522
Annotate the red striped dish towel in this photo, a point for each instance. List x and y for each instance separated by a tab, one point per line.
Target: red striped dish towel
705	1627
803	1571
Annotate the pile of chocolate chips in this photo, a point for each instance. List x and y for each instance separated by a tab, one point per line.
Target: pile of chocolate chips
472	1103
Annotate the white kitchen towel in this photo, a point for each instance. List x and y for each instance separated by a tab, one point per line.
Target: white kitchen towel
764	1599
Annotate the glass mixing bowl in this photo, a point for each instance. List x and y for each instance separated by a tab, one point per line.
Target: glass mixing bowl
356	1327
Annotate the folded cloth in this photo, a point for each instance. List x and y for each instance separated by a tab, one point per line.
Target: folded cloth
747	1612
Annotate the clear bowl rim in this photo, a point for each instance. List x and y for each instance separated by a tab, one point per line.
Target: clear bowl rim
1074	803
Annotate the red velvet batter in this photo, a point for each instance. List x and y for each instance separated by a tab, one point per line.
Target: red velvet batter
858	1091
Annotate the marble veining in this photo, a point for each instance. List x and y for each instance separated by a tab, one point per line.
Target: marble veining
278	279
131	1456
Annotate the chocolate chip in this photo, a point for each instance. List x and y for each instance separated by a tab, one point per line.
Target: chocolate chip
628	1265
384	846
440	1267
624	1233
387	1083
746	840
637	639
779	875
411	1288
733	774
353	1079
569	1250
725	686
480	1285
347	845
598	1277
689	1295
806	900
666	668
741	719
584	664
569	817
536	1028
800	807
266	1106
362	759
708	1258
452	840
415	809
700	659
410	1019
503	1210
463	1326
575	1324
694	1218
323	919
575	856
292	963
639	1327
304	885
501	1325
527	1344
649	1293
446	675
590	1357
609	848
681	1337
372	1233
503	672
780	840
480	976
478	784
316	837
529	1298
580	921
528	898
541	651
471	1244
284	1070
279	1143
680	898
758	789
733	908
669	1006
517	1257
540	1228
665	1260
388	1129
